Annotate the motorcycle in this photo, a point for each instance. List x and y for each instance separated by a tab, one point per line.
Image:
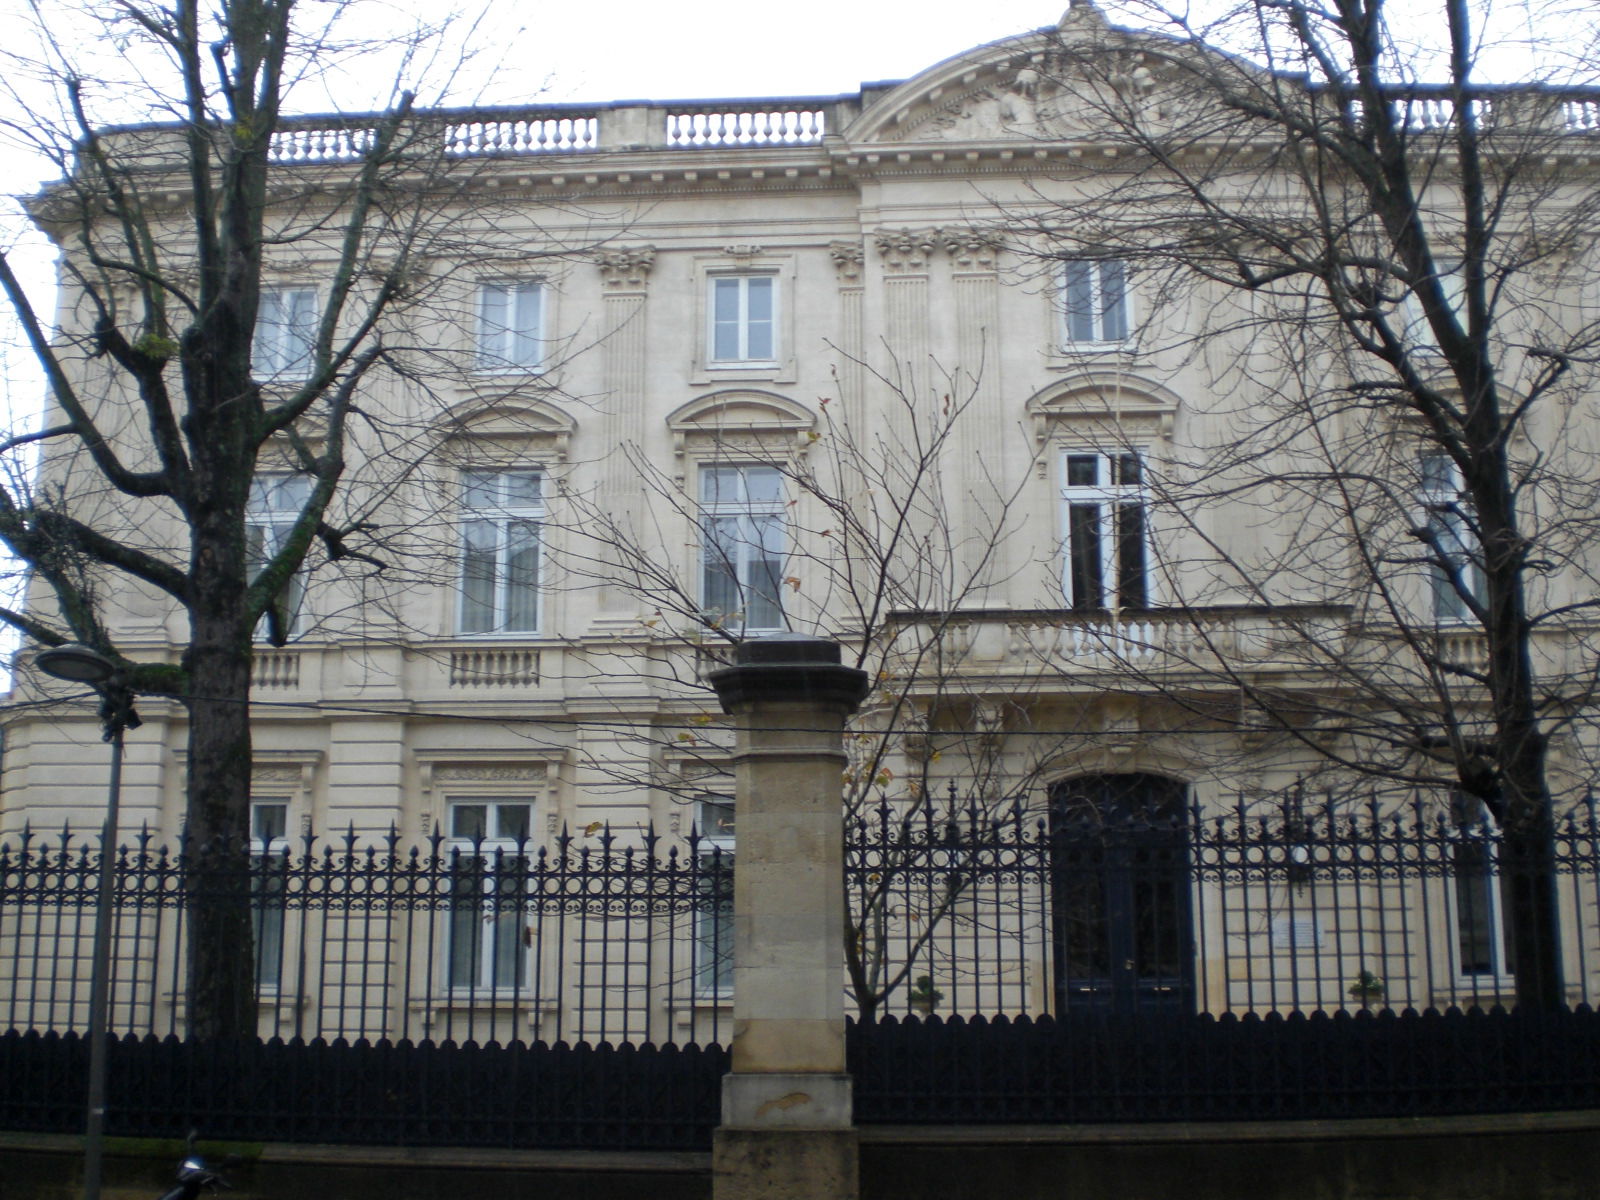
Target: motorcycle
194	1176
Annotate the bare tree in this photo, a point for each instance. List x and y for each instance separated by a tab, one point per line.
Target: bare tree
1387	286
239	324
857	522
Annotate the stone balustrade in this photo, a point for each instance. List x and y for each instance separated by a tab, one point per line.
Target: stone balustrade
775	122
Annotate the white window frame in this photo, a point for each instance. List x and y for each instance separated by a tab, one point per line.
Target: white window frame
269	845
502	846
1448	516
713	923
276	501
1109	304
285	336
1113	498
740	285
515	343
502	516
1481	832
759	545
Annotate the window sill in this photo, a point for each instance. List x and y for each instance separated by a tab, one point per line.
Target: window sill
1065	354
506	1000
512	371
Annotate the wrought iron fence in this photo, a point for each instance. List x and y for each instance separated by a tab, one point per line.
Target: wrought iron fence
1111	954
1119	896
1083	904
593	940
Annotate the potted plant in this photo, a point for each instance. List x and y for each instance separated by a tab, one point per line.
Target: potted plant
924	996
1366	988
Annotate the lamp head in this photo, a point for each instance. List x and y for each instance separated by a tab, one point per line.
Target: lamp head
76	664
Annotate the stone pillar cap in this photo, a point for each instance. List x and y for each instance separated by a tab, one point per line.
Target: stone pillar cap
791	668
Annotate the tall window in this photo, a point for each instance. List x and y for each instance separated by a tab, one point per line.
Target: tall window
1482	948
1104	514
1094	302
743	319
742	550
1456	576
488	848
286	332
713	934
510	326
269	860
274	506
500	551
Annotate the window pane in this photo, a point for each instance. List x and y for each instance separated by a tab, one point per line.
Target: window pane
758	335
521	489
716	819
725	319
480	490
720	580
525	349
1083	470
268	822
469	822
1087	576
763	485
522	576
764	604
719	485
1474	908
478	577
714	924
1131	587
1080	301
467	888
1439	474
511	821
1113	302
494	325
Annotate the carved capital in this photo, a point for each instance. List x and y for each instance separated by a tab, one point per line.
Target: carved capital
847	259
972	249
906	250
625	269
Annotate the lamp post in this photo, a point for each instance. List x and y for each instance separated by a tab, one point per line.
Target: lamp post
80	664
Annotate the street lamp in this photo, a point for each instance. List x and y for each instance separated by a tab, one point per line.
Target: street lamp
80	664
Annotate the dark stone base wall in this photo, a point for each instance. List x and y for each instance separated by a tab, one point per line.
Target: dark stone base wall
1516	1157
1520	1157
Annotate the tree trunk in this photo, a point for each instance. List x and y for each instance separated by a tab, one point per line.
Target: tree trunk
221	957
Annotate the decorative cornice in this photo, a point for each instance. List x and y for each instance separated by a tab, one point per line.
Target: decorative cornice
625	269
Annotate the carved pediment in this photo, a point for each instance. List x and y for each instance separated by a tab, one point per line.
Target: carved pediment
1049	85
509	424
744	420
1097	407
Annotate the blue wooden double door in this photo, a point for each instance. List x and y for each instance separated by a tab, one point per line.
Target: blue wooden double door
1121	900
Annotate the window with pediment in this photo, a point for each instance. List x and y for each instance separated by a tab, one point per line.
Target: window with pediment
1096	441
499	463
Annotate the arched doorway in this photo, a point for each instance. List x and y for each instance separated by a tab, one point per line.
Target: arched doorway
1120	894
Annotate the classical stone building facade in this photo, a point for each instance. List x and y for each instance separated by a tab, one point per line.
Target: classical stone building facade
704	371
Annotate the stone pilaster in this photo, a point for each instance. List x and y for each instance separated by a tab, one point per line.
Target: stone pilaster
624	274
978	444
